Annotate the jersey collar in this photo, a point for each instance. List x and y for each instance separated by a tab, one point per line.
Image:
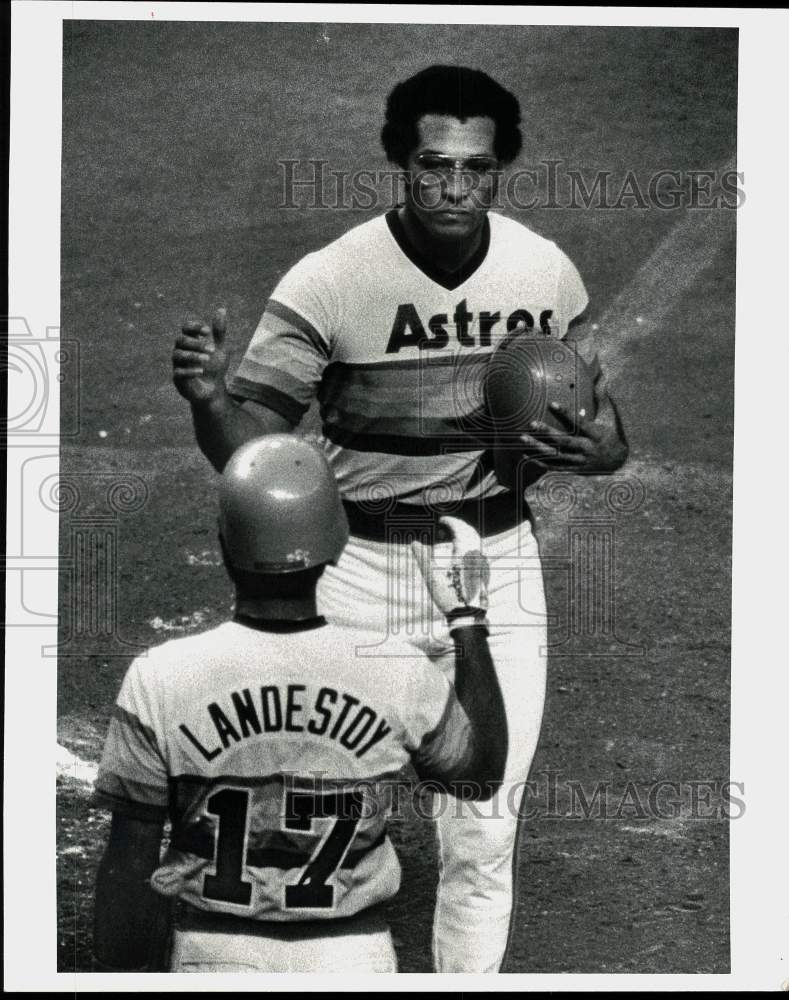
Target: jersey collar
447	279
280	625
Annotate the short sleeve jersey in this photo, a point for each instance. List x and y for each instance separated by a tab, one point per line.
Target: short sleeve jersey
270	754
395	351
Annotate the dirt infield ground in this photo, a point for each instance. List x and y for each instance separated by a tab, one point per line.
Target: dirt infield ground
172	135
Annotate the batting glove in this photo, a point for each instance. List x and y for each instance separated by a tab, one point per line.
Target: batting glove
457	583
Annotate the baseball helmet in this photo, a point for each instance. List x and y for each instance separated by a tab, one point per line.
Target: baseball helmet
279	507
526	374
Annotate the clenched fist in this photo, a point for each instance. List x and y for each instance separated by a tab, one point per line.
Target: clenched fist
200	360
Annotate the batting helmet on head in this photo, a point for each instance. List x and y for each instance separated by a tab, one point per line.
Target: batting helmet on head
279	507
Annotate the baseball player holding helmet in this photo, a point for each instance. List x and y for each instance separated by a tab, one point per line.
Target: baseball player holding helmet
268	741
391	327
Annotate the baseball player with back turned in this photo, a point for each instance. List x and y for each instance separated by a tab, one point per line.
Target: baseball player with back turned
268	740
391	327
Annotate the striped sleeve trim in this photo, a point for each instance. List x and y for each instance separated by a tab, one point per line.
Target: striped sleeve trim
137	726
132	775
298	322
291	409
123	788
261	373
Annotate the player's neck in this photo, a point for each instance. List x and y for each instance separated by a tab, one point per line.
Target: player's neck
295	609
447	254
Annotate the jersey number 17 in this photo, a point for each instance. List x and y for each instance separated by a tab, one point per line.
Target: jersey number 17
302	807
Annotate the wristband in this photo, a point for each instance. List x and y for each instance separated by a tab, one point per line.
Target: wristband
466	611
467	617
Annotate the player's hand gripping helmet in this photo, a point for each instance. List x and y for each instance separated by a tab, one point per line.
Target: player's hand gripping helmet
279	507
526	374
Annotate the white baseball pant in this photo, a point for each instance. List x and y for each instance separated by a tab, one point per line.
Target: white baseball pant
211	951
377	585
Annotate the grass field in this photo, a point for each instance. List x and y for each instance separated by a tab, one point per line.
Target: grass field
171	138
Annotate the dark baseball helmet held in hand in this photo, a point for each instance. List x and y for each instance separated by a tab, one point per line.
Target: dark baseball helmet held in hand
526	374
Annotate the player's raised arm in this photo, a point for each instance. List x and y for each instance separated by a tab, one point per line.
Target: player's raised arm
131	921
199	369
470	760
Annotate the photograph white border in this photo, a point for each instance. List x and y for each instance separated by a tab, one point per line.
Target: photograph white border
759	876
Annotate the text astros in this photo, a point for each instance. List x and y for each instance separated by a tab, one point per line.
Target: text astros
408	329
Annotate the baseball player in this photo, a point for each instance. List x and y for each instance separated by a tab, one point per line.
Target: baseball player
267	742
390	328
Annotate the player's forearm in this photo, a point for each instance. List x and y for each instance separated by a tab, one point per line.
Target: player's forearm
478	691
128	916
620	447
222	425
131	921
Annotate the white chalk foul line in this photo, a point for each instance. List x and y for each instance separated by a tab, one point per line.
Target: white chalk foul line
669	273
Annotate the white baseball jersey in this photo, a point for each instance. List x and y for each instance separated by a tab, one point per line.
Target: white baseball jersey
269	751
395	351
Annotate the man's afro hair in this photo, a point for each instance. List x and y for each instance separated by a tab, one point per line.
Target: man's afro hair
449	90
